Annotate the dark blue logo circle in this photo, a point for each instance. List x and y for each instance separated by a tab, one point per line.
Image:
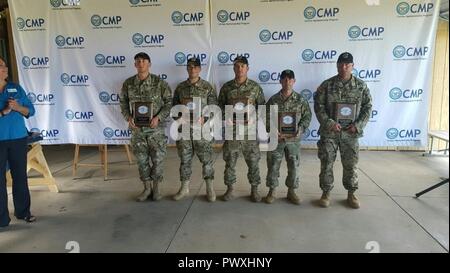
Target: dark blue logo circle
138	39
222	16
96	20
108	132
399	51
100	59
60	40
223	57
134	2
307	55
392	133
264	76
307	94
20	23
55	3
26	61
31	97
402	8
180	58
265	35
69	114
104	97
395	93
309	13
354	32
177	17
306	133
65	78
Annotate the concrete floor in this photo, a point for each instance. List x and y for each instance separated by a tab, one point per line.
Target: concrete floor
102	216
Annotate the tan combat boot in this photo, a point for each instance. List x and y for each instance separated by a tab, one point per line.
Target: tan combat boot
210	193
352	201
271	196
293	197
156	191
146	193
183	191
255	197
229	194
325	200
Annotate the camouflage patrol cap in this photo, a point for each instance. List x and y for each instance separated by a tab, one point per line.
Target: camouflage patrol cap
287	73
345	58
194	61
241	59
142	55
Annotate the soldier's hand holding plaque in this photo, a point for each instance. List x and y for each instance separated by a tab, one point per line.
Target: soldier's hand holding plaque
345	114
142	114
287	124
190	104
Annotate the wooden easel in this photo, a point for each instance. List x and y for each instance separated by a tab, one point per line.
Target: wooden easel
36	160
103	150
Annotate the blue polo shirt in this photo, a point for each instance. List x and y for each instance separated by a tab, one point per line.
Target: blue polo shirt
12	125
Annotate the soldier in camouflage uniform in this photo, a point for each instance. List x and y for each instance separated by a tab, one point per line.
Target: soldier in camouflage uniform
288	146
148	142
195	87
342	88
241	87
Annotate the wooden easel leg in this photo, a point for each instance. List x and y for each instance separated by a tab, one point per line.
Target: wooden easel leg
127	149
75	159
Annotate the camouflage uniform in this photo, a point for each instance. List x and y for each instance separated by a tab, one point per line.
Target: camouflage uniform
329	93
147	143
203	148
250	148
290	147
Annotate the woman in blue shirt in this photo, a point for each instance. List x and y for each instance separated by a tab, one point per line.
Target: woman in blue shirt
14	106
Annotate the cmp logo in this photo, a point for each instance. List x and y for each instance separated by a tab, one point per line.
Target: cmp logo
107	98
116	134
109	61
106	22
65	4
144	3
311	135
79	116
357	33
233	17
187	19
148	40
307	95
395	134
367	75
74	80
70	42
266	77
180	57
41	98
47	134
276	37
405	9
35	62
312	14
318	56
27	24
408	95
401	52
226	58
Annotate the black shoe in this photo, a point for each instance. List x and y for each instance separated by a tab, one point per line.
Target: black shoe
29	219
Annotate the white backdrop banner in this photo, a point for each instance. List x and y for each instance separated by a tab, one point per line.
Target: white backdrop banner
73	56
